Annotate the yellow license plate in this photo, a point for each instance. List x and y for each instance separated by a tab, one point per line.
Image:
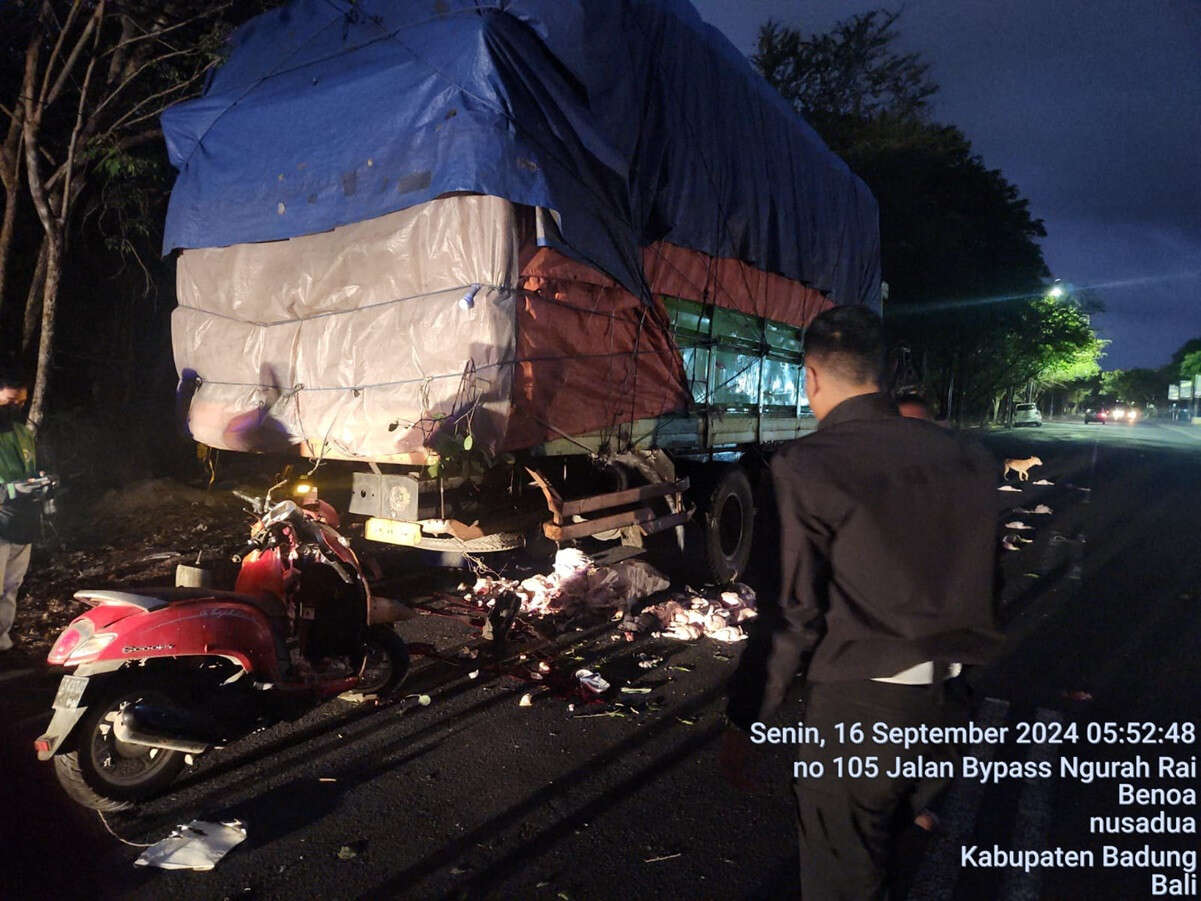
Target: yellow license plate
392	531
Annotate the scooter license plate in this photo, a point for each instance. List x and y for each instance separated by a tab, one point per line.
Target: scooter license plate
392	531
70	691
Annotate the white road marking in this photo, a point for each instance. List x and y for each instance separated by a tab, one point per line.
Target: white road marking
939	872
1033	821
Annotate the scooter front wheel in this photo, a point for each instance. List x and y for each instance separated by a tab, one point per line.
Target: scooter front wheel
107	774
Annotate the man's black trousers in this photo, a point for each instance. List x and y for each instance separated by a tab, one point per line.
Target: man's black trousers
848	824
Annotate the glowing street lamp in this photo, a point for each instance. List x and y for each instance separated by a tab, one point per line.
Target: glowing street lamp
1056	290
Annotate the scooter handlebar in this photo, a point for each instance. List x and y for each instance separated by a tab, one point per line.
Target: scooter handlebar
255	504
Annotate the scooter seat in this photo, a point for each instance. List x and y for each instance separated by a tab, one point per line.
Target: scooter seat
155	598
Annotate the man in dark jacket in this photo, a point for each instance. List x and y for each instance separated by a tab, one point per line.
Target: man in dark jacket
886	589
19	514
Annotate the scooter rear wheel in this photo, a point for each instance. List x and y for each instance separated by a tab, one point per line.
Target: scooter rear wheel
107	774
385	665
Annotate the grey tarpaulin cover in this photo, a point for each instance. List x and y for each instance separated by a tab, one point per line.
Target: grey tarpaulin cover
355	339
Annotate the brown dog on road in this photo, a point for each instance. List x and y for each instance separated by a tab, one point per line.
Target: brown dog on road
1021	467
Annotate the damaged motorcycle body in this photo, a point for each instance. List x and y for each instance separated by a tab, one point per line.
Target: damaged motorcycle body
162	675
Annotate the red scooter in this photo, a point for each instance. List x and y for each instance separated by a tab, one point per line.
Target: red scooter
166	674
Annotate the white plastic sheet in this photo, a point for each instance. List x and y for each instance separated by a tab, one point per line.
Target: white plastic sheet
195	846
357	340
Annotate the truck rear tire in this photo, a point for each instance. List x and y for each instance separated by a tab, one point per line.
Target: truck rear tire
729	525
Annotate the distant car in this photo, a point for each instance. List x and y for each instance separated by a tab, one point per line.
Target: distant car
1027	414
1125	414
1101	416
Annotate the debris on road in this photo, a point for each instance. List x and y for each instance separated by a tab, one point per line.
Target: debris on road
607	713
195	846
1040	510
1044	482
663	857
1009	542
718	619
576	583
1017	524
592	681
527	700
351	851
1076	695
1010	488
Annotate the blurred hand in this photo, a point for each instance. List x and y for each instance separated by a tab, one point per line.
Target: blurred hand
732	758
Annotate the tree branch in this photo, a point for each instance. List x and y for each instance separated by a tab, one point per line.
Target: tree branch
70	163
126	121
160	32
129	80
11	115
92	26
48	13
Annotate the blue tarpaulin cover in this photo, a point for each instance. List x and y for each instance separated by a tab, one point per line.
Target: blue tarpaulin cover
632	119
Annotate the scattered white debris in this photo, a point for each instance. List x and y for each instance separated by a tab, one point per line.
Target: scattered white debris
195	846
1010	544
474	674
1043	482
576	582
592	681
526	700
1010	488
1040	510
1017	524
718	619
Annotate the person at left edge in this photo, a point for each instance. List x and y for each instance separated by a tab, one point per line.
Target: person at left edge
20	515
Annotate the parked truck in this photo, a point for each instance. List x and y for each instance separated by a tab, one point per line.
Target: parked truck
541	267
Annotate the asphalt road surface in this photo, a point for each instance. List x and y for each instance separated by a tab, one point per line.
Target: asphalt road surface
475	796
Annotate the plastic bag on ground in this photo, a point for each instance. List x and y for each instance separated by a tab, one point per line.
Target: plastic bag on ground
195	846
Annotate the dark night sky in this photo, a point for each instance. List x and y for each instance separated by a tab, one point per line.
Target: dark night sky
1093	110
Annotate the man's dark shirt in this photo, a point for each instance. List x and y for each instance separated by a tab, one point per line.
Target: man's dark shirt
888	547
